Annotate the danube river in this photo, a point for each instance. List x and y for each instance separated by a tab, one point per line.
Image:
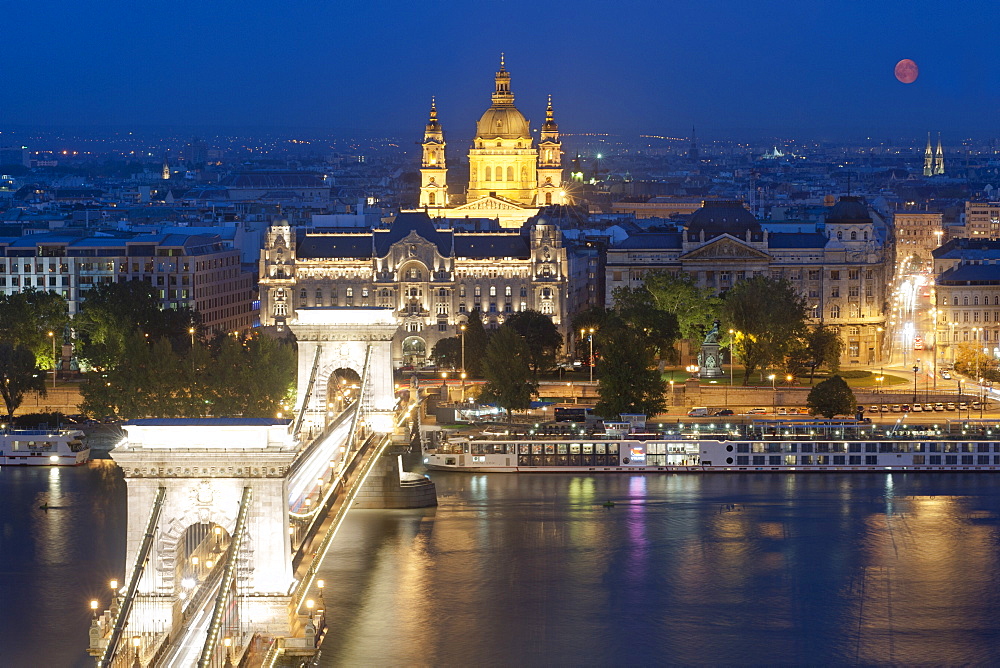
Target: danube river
531	569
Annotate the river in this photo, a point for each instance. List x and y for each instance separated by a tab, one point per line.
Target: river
532	569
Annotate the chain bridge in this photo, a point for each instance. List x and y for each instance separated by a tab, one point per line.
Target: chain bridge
230	518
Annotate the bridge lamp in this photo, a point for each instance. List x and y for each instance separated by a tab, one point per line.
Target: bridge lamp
136	641
227	642
209	563
114	585
187	583
291	531
320	584
310	604
93	606
278	415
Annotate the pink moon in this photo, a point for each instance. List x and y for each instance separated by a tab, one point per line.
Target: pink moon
906	71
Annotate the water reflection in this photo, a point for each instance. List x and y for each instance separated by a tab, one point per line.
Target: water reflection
685	569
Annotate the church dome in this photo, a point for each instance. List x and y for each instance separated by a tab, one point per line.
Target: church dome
849	210
504	122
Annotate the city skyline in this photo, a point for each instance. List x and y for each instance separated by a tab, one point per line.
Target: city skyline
726	68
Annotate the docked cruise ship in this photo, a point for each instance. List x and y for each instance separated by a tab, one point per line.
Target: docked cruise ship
762	446
43	447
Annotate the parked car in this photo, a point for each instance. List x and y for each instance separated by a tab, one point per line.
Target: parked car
928	408
873	408
698	411
906	408
782	411
976	405
918	408
963	405
950	406
939	406
757	411
885	408
724	412
895	408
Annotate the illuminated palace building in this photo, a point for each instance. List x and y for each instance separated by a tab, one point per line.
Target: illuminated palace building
510	178
432	278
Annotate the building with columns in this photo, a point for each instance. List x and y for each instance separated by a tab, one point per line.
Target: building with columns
510	177
431	277
843	267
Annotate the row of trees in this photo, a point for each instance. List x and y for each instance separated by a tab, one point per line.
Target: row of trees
141	360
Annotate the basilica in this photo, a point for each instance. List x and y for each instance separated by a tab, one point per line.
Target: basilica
510	176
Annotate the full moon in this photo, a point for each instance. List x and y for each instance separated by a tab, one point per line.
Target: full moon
906	71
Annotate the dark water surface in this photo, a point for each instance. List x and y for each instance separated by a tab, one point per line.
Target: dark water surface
531	570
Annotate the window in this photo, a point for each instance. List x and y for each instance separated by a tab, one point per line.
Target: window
478	291
835	275
834	311
302	294
493	291
510	173
506	291
835	291
814	274
488	173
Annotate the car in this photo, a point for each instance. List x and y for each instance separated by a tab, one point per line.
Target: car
885	408
406	367
918	408
976	405
873	409
963	405
939	406
698	411
950	406
757	411
723	413
905	408
946	375
928	408
782	411
894	408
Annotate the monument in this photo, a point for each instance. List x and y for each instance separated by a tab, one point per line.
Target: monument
709	359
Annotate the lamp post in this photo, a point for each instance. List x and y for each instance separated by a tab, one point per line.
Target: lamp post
915	370
671	392
878	387
52	335
589	333
774	395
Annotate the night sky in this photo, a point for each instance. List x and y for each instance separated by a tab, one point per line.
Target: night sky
818	68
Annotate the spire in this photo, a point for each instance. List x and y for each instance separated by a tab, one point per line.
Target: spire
502	96
928	158
939	157
549	126
433	126
693	153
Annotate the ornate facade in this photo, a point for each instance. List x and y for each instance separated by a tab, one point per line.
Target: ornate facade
841	268
510	178
431	278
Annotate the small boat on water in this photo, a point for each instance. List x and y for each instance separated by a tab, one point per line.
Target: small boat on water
43	447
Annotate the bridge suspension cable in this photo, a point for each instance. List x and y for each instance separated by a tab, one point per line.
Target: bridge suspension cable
228	580
309	390
138	568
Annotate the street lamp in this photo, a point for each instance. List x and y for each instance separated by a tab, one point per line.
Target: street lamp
774	395
671	391
52	335
590	337
191	332
915	370
878	388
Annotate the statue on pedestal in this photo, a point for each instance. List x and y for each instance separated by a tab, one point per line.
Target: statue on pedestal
709	359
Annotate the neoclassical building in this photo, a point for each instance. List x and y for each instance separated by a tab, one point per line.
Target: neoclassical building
843	267
510	176
432	278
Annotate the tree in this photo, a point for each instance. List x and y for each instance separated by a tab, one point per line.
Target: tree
19	374
831	397
112	311
767	316
696	308
637	307
476	340
541	335
823	345
509	381
26	318
629	381
972	361
448	352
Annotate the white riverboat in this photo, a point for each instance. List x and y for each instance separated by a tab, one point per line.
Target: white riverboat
43	447
763	446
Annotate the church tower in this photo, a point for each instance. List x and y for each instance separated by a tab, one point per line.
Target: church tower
928	158
433	171
939	158
165	172
550	188
693	153
503	160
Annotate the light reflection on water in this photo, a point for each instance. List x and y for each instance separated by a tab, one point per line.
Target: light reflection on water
860	568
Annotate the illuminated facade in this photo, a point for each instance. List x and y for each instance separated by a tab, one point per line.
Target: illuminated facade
431	278
510	178
842	268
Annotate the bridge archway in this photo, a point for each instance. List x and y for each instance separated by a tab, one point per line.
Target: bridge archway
343	338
